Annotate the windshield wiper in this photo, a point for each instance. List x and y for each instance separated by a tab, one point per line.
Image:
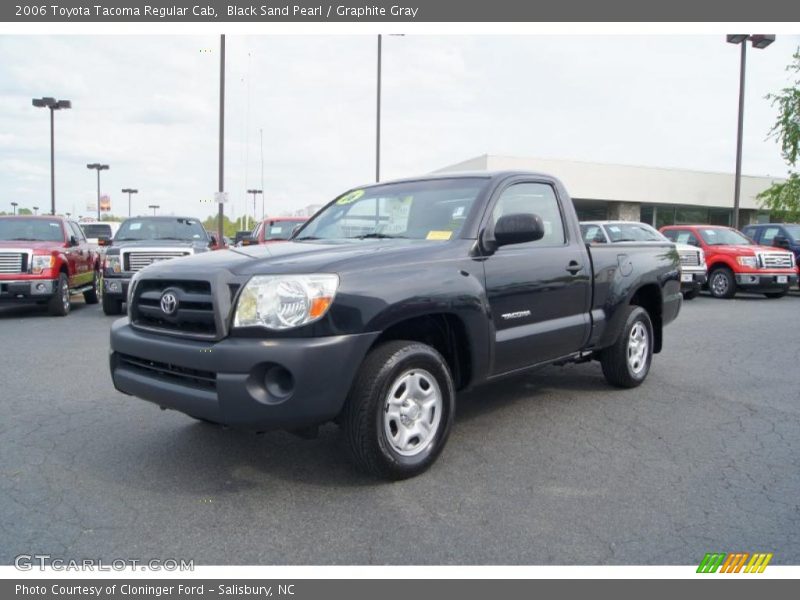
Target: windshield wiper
377	236
625	240
173	238
305	237
24	240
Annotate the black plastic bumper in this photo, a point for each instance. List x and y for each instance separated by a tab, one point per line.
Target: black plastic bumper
116	287
27	290
258	384
697	282
765	283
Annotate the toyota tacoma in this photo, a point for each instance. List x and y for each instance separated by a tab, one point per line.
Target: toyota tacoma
387	302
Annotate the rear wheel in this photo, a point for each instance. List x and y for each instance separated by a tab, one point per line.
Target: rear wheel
627	363
399	411
59	304
722	283
91	296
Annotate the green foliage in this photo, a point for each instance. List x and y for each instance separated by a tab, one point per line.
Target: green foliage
784	197
24	211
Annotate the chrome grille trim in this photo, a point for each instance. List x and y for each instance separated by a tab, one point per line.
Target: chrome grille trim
136	259
690	258
775	260
14	261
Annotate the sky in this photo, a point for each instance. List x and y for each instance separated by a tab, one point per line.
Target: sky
148	107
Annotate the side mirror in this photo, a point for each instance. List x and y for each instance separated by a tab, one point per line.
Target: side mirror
73	240
693	242
518	228
781	241
212	240
104	240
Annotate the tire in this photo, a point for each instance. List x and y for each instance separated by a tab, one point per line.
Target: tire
690	295
380	433
774	295
722	283
627	362
59	304
111	306
91	297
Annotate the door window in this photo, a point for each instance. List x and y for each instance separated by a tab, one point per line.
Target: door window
769	235
535	198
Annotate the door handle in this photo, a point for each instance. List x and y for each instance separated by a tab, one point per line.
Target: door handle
574	267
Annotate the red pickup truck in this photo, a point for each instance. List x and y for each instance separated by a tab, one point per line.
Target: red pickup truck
736	263
46	260
276	229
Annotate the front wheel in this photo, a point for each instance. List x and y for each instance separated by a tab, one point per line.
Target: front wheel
722	283
399	411
627	363
111	306
59	304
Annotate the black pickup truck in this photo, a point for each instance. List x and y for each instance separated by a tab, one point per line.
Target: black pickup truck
386	303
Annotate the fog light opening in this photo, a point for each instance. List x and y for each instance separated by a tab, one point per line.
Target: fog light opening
279	382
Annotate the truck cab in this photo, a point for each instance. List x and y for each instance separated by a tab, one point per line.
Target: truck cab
46	260
275	229
736	263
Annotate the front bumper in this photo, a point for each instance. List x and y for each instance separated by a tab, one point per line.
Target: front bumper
693	281
257	384
27	290
766	282
116	287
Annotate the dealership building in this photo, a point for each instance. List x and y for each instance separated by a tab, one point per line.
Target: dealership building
654	195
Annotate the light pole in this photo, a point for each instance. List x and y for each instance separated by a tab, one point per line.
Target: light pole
14	206
221	183
254	192
53	105
98	167
759	41
378	107
35	210
154	207
129	191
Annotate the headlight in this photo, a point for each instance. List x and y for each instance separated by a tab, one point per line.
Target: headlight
747	261
285	301
41	263
113	264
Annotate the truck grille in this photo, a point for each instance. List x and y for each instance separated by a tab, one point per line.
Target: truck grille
193	377
136	261
193	313
775	260
13	262
690	258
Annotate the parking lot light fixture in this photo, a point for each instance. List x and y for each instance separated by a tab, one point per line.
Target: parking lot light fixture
129	191
255	193
53	105
14	206
35	210
155	207
98	167
759	41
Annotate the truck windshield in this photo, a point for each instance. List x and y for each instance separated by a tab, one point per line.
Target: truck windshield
633	232
721	236
793	231
161	229
32	230
280	230
96	230
422	210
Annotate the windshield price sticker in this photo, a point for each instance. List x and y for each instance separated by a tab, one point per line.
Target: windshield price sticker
439	235
351	197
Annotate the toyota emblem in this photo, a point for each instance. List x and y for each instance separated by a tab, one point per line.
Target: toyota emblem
168	303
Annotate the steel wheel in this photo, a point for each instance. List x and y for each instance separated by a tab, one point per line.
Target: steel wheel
638	345
412	412
65	297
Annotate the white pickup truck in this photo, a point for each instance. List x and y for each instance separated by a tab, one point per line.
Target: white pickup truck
694	272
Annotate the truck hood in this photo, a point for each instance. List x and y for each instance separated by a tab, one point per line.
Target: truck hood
330	256
743	250
198	246
28	245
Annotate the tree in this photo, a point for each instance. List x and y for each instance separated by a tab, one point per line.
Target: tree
783	198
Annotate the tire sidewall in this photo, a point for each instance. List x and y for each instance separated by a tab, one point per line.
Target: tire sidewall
422	357
639	315
731	289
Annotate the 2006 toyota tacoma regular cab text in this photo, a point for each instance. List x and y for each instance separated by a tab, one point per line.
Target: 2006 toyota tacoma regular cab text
384	304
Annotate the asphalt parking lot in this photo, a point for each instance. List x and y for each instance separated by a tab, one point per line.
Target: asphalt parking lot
550	468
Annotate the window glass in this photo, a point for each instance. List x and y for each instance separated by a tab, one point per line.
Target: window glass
722	236
769	234
632	232
536	198
33	229
160	228
593	234
96	230
281	230
77	232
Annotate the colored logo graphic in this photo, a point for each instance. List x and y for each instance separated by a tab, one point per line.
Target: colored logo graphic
734	563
